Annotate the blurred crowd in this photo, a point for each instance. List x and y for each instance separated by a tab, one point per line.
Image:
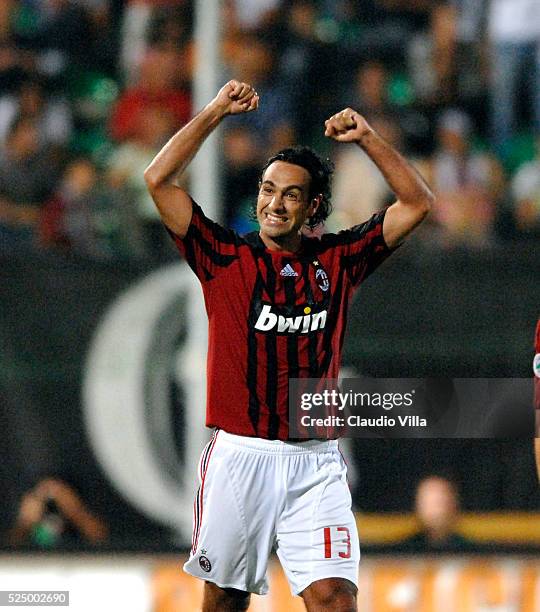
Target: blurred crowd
91	89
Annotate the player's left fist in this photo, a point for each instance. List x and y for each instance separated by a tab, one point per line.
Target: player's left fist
347	126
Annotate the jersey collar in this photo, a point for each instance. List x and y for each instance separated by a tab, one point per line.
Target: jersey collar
306	250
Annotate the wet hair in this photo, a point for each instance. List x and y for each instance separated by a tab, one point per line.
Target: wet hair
320	171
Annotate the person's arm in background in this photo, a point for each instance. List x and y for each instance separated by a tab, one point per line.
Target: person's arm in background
73	509
33	507
173	203
414	197
30	513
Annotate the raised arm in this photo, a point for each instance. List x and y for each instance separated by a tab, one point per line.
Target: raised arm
414	196
173	203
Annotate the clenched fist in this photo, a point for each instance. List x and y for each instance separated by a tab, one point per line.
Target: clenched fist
235	98
347	126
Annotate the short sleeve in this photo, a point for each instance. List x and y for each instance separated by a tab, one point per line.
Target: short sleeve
363	248
207	247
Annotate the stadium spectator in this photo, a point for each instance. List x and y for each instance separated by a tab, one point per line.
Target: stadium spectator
89	218
525	189
28	174
52	515
157	88
53	31
365	29
170	28
137	31
254	61
514	33
437	510
468	185
443	48
104	16
460	57
371	91
242	173
252	15
52	114
66	220
304	61
125	175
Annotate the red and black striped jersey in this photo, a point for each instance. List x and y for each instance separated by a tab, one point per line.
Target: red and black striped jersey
536	367
273	315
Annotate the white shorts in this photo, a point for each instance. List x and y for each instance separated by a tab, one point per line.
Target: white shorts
259	495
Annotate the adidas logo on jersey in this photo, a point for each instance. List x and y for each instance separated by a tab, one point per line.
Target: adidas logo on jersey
302	324
288	270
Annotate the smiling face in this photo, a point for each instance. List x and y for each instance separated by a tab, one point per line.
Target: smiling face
284	204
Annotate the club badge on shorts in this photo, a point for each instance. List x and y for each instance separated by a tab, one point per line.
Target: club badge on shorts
536	365
205	564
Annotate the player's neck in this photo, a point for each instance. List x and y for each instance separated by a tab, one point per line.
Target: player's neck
288	244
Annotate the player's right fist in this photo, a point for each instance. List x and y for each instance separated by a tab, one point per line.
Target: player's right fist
235	98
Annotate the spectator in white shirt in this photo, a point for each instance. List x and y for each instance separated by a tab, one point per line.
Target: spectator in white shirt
514	32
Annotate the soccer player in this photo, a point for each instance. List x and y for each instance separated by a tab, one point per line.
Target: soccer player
277	303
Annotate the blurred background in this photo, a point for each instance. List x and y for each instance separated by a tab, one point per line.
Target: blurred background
102	331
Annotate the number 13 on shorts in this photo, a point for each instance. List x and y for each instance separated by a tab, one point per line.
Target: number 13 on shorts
337	542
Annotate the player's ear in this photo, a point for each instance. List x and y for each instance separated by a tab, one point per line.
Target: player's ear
315	203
